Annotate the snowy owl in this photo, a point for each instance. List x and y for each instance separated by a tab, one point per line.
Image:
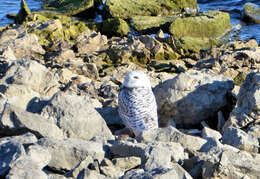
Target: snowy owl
136	103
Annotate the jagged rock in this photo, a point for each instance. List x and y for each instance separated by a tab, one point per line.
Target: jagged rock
21	43
75	116
127	163
208	132
90	43
23	13
67	153
30	166
251	12
27	138
15	121
240	139
247	107
110	170
191	97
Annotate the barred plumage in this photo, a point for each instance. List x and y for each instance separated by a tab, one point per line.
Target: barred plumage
136	103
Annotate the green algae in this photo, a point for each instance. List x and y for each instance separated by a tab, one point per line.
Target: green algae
239	79
115	27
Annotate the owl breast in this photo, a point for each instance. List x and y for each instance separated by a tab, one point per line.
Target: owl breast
137	109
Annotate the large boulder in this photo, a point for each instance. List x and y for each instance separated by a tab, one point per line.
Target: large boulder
191	97
128	8
69	7
251	12
211	24
115	27
76	116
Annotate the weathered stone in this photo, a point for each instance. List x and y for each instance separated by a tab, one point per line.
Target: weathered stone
208	132
129	8
240	139
15	121
109	170
191	97
69	7
211	24
67	153
251	12
127	163
75	116
142	23
90	43
30	166
115	27
23	12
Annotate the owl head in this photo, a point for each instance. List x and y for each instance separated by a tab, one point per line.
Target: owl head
136	79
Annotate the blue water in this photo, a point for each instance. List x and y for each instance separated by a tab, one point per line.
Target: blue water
233	7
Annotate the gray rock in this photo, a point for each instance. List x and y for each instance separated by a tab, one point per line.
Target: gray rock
67	153
76	116
240	139
208	132
127	163
191	97
15	121
27	138
30	166
110	170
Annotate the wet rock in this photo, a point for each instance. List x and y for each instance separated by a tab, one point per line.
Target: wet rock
16	121
211	24
247	107
142	23
30	165
198	92
68	7
90	43
115	27
75	116
126	9
67	153
23	13
251	12
240	139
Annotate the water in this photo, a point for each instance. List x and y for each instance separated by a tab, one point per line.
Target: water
233	7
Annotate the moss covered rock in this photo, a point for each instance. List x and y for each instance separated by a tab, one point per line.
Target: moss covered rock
128	8
140	23
23	13
68	7
251	13
115	27
211	24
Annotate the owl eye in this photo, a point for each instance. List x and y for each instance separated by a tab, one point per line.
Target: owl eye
136	77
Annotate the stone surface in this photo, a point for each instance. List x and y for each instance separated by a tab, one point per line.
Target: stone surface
69	7
115	27
75	116
191	97
127	163
128	8
67	153
23	12
251	12
240	139
211	24
15	121
208	132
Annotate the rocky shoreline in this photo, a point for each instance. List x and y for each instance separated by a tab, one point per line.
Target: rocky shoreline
59	82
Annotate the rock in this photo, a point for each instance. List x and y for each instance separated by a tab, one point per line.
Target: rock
129	8
90	43
68	7
208	132
115	27
236	165
127	163
75	116
247	107
27	138
26	80
67	153
211	24
251	12
15	121
109	170
240	139
30	166
22	44
23	13
203	92
143	23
